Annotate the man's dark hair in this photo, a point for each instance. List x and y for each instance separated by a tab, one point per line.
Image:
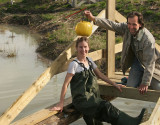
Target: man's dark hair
140	18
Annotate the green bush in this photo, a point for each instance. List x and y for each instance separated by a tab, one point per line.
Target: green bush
119	39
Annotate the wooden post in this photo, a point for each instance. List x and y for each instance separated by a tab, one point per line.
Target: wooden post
110	43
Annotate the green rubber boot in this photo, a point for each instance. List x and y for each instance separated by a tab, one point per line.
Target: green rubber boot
125	119
91	121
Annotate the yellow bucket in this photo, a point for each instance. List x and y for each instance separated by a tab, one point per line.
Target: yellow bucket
83	28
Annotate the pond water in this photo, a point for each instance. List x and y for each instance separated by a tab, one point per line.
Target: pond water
20	71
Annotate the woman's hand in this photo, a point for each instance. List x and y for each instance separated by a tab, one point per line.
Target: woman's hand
119	86
58	107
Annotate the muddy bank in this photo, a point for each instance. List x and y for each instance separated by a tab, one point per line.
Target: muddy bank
38	23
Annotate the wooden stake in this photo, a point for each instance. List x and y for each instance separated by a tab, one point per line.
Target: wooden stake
110	43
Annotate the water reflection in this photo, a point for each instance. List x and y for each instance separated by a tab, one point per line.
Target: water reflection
19	72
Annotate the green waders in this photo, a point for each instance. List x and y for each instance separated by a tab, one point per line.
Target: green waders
86	99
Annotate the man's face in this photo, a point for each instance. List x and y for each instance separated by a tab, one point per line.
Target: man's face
133	25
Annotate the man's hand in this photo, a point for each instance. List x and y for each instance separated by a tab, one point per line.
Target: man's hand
89	15
143	88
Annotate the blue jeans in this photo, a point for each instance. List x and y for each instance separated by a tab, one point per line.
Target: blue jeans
136	74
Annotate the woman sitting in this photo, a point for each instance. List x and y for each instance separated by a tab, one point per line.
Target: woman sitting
81	75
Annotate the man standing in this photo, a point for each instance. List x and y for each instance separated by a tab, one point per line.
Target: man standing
138	51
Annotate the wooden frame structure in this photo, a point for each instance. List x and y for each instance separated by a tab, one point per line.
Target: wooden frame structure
110	43
60	64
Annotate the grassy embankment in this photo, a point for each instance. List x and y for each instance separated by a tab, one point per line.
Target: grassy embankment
57	31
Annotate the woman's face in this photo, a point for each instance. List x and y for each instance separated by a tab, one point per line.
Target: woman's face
82	48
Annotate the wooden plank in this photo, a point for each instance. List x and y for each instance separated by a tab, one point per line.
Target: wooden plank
157	47
118	48
117	78
40	115
29	94
96	55
119	18
110	43
155	116
66	117
128	92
